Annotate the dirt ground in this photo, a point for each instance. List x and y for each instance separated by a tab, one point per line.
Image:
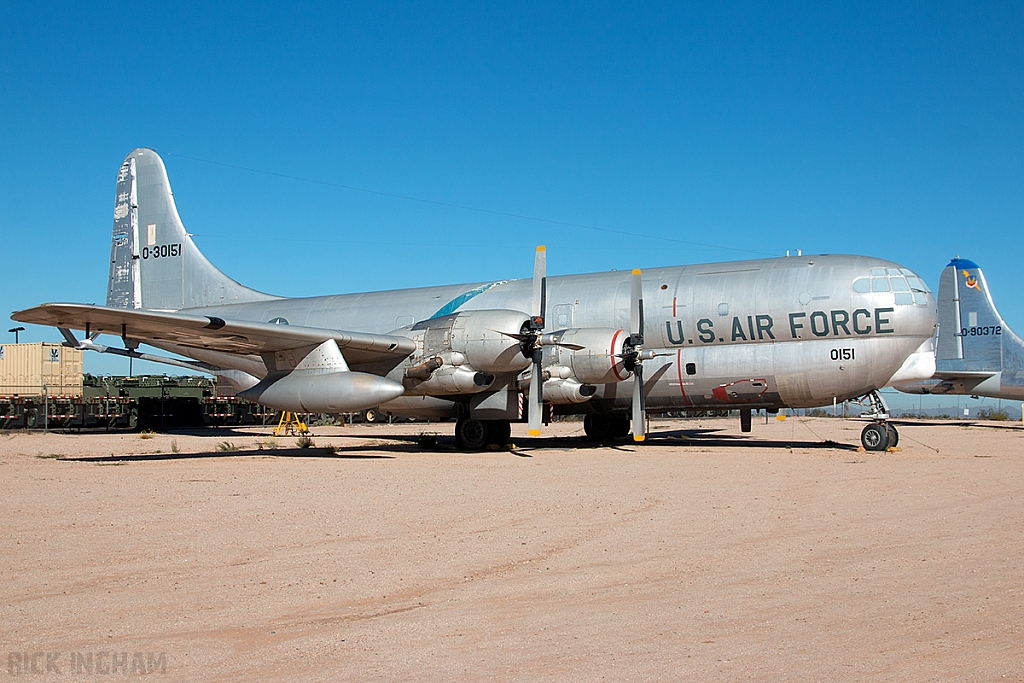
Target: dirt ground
703	554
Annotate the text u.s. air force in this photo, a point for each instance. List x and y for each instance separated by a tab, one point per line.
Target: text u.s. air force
838	323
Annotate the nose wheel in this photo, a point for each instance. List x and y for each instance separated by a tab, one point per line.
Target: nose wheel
879	436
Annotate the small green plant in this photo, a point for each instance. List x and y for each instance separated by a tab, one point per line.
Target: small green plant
146	434
226	447
174	445
269	443
426	440
993	414
304	442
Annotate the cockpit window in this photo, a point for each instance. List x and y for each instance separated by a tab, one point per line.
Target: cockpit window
904	298
916	284
906	287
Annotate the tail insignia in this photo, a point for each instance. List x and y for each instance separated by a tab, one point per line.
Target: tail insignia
971	281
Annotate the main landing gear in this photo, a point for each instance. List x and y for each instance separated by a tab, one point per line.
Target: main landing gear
879	435
476	435
604	427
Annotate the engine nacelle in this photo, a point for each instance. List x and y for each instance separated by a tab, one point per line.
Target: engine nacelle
561	391
450	379
599	361
477	336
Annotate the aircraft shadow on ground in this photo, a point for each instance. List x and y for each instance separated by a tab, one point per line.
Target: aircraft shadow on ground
710	437
390	446
521	446
347	453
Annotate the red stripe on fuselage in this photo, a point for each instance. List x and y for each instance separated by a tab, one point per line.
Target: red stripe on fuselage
679	373
615	359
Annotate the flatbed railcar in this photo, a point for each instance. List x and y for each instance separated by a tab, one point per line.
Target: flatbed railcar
154	402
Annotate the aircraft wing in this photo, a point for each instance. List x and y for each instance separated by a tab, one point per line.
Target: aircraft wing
211	332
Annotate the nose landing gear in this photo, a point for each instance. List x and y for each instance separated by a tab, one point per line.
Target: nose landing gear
879	435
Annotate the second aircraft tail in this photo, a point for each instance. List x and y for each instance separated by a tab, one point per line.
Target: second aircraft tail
972	335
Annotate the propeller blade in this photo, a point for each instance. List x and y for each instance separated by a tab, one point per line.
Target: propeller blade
540	284
544	340
636	307
517	337
535	399
639	415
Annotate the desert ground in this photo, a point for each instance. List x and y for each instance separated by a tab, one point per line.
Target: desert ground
702	554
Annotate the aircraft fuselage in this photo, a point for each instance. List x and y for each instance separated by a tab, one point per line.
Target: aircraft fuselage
771	333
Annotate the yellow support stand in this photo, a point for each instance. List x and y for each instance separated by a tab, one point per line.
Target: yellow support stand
290	424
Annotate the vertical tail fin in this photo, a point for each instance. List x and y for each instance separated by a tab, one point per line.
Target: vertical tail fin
972	334
154	263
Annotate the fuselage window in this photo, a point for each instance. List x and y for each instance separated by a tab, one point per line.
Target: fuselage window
862	285
879	284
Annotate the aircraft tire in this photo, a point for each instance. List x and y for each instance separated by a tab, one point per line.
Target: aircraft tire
499	432
599	427
875	437
894	436
371	415
620	425
471	435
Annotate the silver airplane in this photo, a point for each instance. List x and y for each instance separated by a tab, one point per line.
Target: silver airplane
762	334
976	353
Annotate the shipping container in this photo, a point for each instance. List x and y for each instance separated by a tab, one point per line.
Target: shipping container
32	369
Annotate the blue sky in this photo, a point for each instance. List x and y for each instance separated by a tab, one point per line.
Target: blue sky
679	133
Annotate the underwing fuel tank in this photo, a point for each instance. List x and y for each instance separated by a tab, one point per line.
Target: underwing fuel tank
316	379
336	392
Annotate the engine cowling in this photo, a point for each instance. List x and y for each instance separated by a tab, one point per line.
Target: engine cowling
599	361
477	336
